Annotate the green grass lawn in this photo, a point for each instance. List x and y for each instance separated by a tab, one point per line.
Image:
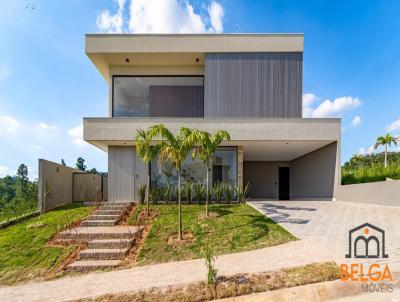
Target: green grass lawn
231	228
24	252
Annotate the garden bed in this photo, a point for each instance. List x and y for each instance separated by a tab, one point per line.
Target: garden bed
233	286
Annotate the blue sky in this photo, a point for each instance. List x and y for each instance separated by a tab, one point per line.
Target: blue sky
47	84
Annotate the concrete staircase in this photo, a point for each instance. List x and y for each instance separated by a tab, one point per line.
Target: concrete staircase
108	243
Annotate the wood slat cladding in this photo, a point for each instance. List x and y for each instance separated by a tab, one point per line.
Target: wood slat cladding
121	173
253	85
176	101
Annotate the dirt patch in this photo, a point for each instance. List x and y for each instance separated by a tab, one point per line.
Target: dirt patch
123	220
144	219
211	215
188	238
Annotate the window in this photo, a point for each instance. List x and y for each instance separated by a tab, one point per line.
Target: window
224	169
165	96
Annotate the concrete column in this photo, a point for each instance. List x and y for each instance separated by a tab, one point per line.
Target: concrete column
240	165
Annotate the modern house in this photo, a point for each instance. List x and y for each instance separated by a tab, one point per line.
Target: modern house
247	84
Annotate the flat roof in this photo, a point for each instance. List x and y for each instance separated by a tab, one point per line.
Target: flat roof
106	50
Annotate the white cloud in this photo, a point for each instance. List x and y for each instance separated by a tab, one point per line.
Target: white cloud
216	12
161	16
112	23
44	127
356	121
308	100
335	107
8	125
4	171
76	134
328	108
366	151
394	126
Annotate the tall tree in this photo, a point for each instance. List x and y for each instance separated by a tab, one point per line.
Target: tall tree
146	153
204	148
22	182
386	141
173	149
80	164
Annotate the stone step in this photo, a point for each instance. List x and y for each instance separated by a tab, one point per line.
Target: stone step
108	203
91	265
104	217
111	243
103	254
103	232
95	223
109	212
116	207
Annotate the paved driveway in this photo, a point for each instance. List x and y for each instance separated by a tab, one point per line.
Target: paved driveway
324	225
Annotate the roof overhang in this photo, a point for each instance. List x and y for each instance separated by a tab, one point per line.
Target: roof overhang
262	138
106	50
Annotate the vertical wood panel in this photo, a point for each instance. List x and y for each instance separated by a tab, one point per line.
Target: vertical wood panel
176	101
87	187
253	85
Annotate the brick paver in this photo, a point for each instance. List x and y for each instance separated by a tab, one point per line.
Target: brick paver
321	226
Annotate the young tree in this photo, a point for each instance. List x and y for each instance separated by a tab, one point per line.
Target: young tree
146	153
94	171
386	140
174	149
63	162
205	148
80	164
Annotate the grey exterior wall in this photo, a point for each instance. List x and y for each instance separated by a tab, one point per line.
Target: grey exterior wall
125	173
176	101
263	177
253	84
58	180
381	193
314	175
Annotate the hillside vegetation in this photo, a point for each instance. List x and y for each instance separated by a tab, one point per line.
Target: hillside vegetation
370	168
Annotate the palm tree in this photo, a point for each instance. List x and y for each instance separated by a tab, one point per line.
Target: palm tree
386	140
205	149
173	149
146	153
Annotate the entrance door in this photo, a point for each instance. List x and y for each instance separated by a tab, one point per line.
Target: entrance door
283	183
217	174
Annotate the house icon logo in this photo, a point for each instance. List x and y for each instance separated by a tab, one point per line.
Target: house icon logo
366	241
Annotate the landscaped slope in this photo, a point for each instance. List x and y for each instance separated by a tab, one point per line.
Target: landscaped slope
24	252
229	229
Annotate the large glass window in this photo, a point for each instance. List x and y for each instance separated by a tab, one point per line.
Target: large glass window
224	170
167	96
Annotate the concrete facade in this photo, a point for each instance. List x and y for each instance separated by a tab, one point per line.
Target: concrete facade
252	89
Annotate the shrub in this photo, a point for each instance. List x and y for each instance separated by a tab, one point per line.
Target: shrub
187	192
218	192
142	192
241	193
210	265
199	192
228	192
369	174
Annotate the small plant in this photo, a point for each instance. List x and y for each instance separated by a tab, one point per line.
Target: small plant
188	192
142	193
228	192
155	195
241	193
218	192
210	265
199	192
